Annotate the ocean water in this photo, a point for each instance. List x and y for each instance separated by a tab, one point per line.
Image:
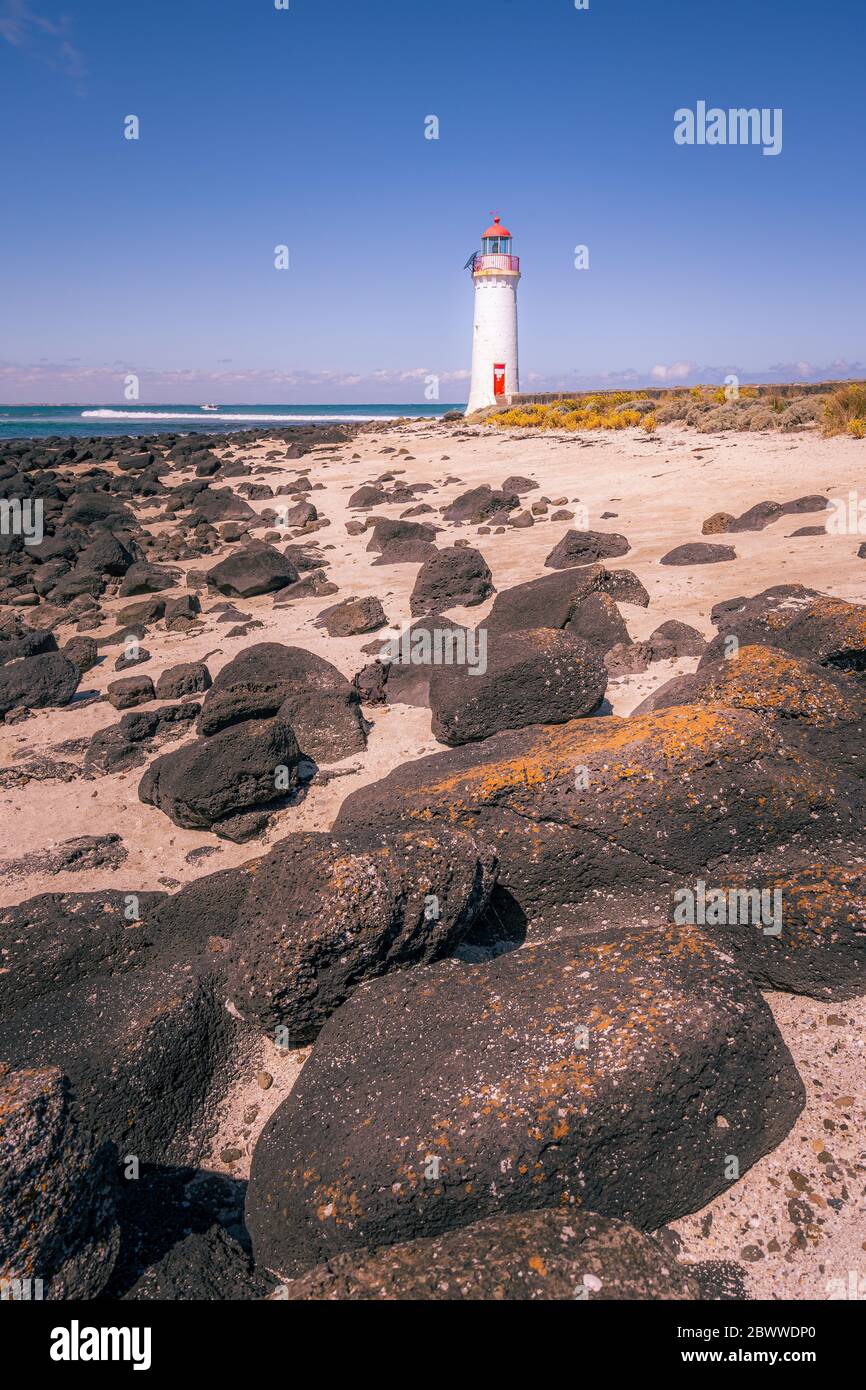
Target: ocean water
85	421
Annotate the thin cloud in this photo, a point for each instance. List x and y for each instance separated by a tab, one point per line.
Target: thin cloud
675	374
21	382
675	371
46	39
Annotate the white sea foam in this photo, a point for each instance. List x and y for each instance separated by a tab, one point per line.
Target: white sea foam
222	415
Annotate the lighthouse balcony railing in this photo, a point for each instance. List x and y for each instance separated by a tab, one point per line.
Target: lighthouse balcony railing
496	262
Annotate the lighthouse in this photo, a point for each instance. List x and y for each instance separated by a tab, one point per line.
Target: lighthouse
495	273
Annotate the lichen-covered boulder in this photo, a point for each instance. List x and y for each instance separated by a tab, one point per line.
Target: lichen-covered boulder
600	803
534	1255
767	681
794	920
615	1074
830	631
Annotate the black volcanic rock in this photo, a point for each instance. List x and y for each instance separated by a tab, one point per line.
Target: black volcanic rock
219	504
189	678
314	584
125	744
136	656
181	612
144	578
553	1254
771	682
516	483
23	641
322	914
300	514
133	462
830	631
238	769
627	659
793	920
38	681
107	554
82	652
352	617
535	677
451	578
146	610
585	548
773	607
132	690
814	626
610	802
385	533
97	508
57	1190
552	600
410	659
368	496
91	984
305	559
256	569
673	639
317	700
142	1049
763	513
56	940
597	621
480	503
205	1265
586	1074
757	517
405	553
699	553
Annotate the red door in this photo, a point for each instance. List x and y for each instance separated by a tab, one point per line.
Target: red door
499	378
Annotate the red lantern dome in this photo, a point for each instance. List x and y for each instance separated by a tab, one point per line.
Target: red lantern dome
496	230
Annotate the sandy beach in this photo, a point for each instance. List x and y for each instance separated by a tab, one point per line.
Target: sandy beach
657	492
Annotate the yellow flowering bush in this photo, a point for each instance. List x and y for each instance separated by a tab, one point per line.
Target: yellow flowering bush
600	411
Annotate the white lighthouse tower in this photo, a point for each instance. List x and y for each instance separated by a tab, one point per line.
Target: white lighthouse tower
495	273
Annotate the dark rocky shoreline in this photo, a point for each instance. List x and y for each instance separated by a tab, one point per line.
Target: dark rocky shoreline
507	1096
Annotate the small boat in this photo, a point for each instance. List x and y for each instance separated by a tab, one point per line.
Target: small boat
210	407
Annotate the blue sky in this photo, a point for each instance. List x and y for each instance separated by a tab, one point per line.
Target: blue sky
305	127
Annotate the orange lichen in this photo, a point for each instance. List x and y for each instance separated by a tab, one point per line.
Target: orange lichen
683	736
769	679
